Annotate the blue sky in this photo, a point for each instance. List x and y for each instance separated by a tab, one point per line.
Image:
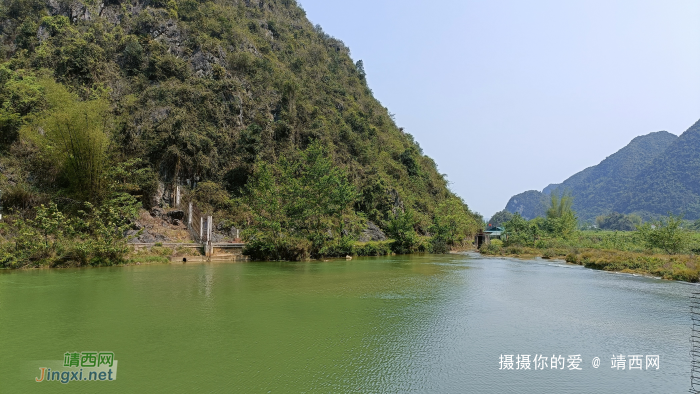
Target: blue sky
508	96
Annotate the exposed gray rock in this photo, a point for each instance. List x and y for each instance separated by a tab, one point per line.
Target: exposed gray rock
157	212
42	34
72	9
145	237
372	233
176	215
218	237
163	197
112	14
397	203
159	114
202	63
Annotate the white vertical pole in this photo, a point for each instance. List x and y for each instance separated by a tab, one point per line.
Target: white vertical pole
201	229
209	227
189	217
177	196
210	246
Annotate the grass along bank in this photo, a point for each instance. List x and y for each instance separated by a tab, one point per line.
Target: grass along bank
666	248
666	266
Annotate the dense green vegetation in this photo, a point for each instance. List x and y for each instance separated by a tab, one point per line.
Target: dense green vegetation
303	207
653	175
663	248
263	120
671	183
560	223
93	235
599	189
618	222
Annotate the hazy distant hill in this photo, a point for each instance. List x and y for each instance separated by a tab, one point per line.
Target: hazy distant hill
621	181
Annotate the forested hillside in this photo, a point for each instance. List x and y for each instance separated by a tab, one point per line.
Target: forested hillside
239	102
653	175
600	189
671	183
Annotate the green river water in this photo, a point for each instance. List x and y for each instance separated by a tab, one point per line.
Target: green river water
401	324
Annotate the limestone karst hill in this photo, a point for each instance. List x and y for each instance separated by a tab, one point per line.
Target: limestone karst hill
653	175
198	94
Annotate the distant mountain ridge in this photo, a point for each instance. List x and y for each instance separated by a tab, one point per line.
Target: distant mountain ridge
671	183
654	174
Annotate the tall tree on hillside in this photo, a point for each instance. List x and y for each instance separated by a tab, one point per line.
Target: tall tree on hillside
74	134
561	218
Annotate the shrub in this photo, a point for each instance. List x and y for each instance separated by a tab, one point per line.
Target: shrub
514	250
402	231
666	235
438	246
160	250
95	236
337	247
290	249
381	248
490	249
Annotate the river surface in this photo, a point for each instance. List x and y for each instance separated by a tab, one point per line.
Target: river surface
401	324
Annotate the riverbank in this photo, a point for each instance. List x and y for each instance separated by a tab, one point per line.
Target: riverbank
672	267
161	253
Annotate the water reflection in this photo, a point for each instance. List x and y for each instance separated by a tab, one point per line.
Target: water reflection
392	324
206	280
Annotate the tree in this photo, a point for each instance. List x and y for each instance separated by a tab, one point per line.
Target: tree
74	134
402	231
520	231
452	224
618	221
516	224
696	225
304	197
264	199
317	194
667	235
20	96
360	66
561	218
